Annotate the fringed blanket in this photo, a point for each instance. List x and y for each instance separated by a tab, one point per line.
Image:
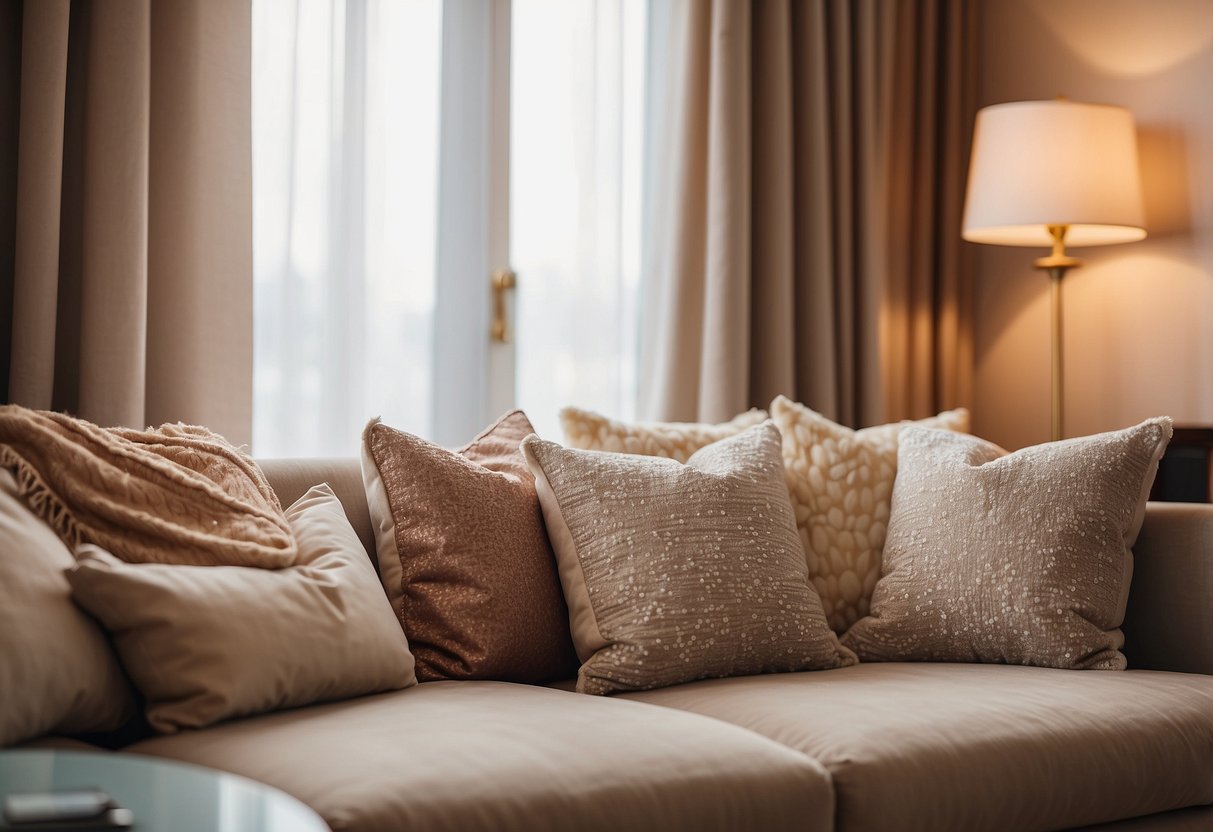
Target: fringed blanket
177	494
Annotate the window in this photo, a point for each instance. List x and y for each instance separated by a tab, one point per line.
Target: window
394	169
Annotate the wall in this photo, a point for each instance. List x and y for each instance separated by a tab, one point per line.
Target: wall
1138	317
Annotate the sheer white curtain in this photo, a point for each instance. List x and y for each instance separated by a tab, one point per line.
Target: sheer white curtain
345	151
355	237
577	121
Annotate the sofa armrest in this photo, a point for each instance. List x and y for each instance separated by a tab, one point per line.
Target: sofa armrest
1169	621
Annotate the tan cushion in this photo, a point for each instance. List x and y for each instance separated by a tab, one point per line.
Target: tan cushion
990	747
468	756
464	556
675	572
590	431
206	643
1022	558
58	671
840	481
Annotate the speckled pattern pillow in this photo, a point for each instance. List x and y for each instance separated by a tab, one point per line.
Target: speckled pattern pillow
840	480
677	572
589	431
1022	558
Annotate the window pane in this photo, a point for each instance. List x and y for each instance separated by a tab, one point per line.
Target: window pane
345	158
576	113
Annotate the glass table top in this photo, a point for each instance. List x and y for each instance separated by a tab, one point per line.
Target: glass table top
162	794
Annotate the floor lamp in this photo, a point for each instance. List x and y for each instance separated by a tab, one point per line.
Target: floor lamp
1054	174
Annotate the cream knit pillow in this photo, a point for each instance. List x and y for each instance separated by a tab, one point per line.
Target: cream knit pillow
840	481
590	431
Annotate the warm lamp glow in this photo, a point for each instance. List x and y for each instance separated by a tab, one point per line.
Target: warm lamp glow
1054	173
1060	163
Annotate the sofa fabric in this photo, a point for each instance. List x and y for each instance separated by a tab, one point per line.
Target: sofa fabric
58	671
464	557
494	756
903	744
292	478
676	572
1023	558
990	747
245	640
1192	819
840	481
590	431
1169	621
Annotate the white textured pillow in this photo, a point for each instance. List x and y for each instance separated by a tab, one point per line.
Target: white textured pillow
1021	558
590	431
677	572
840	481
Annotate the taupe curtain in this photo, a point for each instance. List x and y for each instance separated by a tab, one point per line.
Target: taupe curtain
805	185
126	227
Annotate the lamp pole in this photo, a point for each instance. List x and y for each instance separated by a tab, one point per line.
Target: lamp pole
1057	264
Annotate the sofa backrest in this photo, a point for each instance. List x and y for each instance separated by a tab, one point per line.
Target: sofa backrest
1169	625
291	478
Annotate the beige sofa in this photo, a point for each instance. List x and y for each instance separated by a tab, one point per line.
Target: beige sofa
871	747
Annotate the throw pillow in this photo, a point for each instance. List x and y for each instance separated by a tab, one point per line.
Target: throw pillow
1021	558
840	480
589	431
464	556
58	672
207	643
677	572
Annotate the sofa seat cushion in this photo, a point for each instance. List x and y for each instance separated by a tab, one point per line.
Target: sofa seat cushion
991	747
466	755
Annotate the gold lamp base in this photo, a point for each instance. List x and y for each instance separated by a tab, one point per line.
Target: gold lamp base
1057	264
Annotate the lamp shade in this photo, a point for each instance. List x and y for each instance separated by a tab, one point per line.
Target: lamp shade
1042	163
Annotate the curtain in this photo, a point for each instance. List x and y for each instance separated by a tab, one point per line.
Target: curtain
345	143
126	269
805	179
576	139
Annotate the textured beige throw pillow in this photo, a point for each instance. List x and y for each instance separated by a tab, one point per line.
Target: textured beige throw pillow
206	643
1021	558
590	431
58	672
676	572
840	480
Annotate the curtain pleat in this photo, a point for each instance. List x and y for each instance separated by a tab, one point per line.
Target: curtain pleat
113	194
773	252
811	247
131	268
41	47
726	333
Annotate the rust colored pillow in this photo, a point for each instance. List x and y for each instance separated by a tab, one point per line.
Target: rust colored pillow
464	555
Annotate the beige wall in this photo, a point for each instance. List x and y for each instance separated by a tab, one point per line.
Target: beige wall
1139	317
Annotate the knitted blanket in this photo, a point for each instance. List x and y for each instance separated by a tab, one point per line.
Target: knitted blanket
176	494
